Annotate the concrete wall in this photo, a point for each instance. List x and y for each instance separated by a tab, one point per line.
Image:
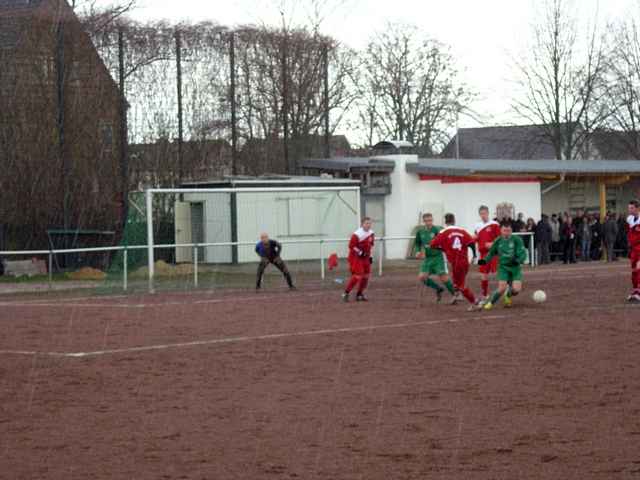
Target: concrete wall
411	197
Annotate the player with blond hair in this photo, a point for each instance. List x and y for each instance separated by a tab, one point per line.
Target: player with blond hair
360	260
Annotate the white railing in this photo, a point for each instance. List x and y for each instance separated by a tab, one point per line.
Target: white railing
322	253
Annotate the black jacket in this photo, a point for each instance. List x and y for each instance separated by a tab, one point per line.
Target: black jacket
543	232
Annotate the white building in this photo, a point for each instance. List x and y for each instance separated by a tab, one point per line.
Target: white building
297	211
415	186
419	186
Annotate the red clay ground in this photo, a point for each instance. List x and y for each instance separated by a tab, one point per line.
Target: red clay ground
297	385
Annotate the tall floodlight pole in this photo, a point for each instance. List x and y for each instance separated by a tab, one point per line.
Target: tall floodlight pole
285	99
327	133
180	113
232	95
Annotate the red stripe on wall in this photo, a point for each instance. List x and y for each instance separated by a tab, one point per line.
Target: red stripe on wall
445	179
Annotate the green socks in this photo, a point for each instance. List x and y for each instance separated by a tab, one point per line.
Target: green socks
495	297
449	285
431	284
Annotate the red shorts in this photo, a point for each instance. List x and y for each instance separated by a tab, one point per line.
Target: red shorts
459	273
491	267
634	255
360	266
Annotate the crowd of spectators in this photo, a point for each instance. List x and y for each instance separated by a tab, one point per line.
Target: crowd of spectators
580	237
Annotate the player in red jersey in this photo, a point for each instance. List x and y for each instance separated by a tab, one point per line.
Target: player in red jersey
455	241
360	260
486	232
633	237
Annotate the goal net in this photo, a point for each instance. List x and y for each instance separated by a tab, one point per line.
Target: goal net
216	230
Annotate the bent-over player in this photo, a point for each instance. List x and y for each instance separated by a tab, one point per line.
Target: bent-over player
455	241
633	238
433	260
269	252
360	260
486	232
511	254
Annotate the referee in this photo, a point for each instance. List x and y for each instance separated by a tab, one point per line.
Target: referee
269	252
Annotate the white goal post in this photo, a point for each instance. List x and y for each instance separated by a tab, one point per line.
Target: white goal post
149	198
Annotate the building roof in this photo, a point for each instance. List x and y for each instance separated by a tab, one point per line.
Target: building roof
616	144
268	181
465	167
392	144
518	142
16	4
346	164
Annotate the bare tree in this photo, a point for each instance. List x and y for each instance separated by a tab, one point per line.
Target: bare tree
563	85
624	84
410	88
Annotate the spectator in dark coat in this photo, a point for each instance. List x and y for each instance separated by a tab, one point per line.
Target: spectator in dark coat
568	240
543	236
596	237
583	234
518	225
622	235
610	234
555	234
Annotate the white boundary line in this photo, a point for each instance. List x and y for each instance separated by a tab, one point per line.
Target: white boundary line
270	336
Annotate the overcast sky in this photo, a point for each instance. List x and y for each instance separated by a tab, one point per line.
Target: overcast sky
483	34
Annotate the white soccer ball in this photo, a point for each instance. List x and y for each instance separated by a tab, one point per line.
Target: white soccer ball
539	296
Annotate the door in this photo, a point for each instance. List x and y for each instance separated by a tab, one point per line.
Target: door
183	231
197	227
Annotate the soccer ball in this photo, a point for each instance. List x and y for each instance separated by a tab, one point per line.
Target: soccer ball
539	296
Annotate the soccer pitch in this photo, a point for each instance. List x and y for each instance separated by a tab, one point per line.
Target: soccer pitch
231	384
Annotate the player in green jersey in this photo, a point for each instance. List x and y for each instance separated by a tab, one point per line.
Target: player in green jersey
433	261
511	254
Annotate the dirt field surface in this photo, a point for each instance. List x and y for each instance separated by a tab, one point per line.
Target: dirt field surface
296	385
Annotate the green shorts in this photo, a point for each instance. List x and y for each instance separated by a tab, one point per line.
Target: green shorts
509	274
434	265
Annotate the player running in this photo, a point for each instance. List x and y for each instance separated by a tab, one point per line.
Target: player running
360	260
512	254
455	241
486	232
433	261
633	237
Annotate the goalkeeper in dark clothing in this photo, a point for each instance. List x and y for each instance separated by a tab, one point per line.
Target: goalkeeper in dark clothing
511	254
269	252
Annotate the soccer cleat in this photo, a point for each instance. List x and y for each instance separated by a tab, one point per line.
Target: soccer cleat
361	298
345	297
487	306
483	301
293	288
474	307
508	302
439	295
633	298
455	298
